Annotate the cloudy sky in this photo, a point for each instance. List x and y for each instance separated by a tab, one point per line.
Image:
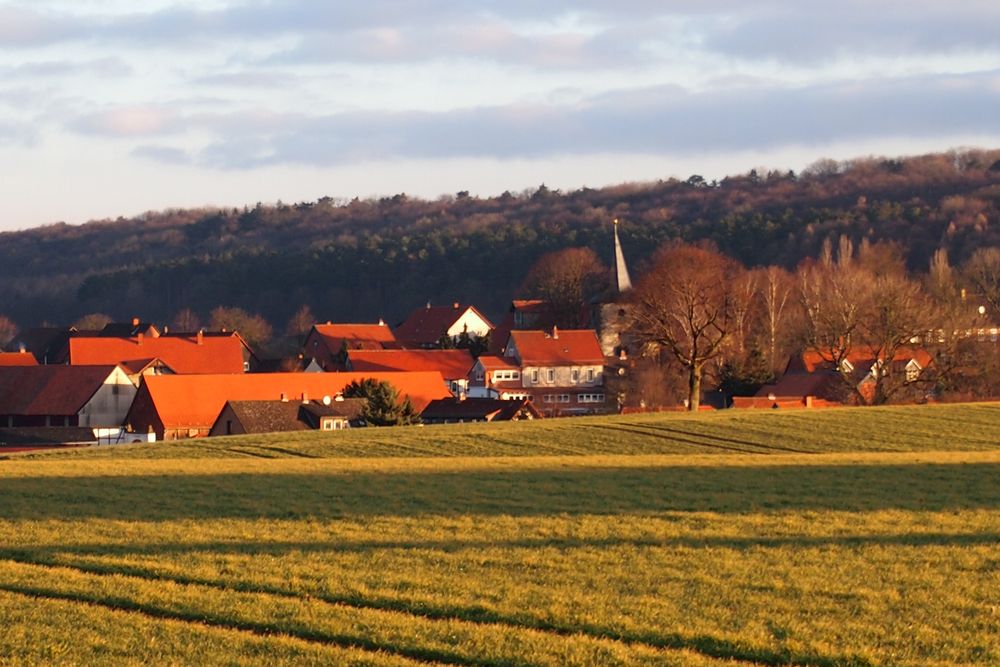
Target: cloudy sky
112	107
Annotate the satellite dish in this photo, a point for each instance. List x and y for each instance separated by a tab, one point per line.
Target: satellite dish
326	400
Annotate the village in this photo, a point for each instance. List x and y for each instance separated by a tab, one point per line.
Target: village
139	382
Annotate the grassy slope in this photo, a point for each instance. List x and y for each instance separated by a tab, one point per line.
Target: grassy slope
492	546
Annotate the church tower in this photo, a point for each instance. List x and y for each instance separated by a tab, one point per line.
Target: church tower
611	313
622	281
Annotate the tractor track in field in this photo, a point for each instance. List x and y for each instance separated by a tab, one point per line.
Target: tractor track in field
749	443
708	646
666	434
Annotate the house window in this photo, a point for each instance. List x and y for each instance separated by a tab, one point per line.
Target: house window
575	374
327	424
590	375
534	376
479	376
116	389
547	398
590	398
552	375
912	373
246	366
515	375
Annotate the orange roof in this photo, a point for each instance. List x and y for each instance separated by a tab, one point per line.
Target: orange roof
183	354
558	347
813	360
367	336
490	362
194	401
426	325
452	364
17	359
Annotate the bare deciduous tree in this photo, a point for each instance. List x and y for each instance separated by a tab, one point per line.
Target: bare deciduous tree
566	279
684	304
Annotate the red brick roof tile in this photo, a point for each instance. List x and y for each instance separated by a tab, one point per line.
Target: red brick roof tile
183	354
452	364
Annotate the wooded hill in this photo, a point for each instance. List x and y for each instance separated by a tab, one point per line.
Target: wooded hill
362	259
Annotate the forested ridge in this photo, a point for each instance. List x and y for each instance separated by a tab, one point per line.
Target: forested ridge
364	259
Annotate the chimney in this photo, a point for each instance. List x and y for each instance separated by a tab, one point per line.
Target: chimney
201	337
139	338
555	332
381	322
135	321
455	305
428	305
305	397
284	397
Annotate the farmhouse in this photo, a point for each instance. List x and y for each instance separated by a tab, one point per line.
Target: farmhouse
425	327
812	380
185	406
183	353
97	396
242	417
326	343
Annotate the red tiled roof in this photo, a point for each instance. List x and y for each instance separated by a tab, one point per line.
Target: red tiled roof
49	390
452	364
194	401
491	362
357	336
426	325
811	360
17	359
565	348
183	354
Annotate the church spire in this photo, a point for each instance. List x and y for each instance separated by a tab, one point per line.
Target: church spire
622	282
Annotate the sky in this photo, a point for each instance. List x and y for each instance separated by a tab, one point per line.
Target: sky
112	108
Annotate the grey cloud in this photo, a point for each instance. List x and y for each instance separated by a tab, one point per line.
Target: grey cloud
104	67
661	120
164	154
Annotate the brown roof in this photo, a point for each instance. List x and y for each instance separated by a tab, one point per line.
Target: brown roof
488	409
183	354
17	359
426	325
452	364
194	401
558	347
49	390
276	416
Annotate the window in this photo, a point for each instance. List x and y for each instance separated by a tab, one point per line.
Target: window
575	374
590	398
515	375
590	375
912	372
116	389
534	376
552	375
327	424
246	366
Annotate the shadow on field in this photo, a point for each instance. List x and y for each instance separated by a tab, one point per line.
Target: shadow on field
456	545
724	489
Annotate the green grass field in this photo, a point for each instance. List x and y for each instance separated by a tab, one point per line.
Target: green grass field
839	537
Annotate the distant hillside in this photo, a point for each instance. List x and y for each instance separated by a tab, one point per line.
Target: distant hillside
368	258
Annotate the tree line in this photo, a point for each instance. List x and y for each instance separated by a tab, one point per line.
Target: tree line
364	259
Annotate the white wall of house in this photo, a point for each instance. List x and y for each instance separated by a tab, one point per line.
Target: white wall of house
109	404
477	326
562	376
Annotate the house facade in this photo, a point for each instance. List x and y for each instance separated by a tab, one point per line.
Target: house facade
425	327
560	372
39	396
